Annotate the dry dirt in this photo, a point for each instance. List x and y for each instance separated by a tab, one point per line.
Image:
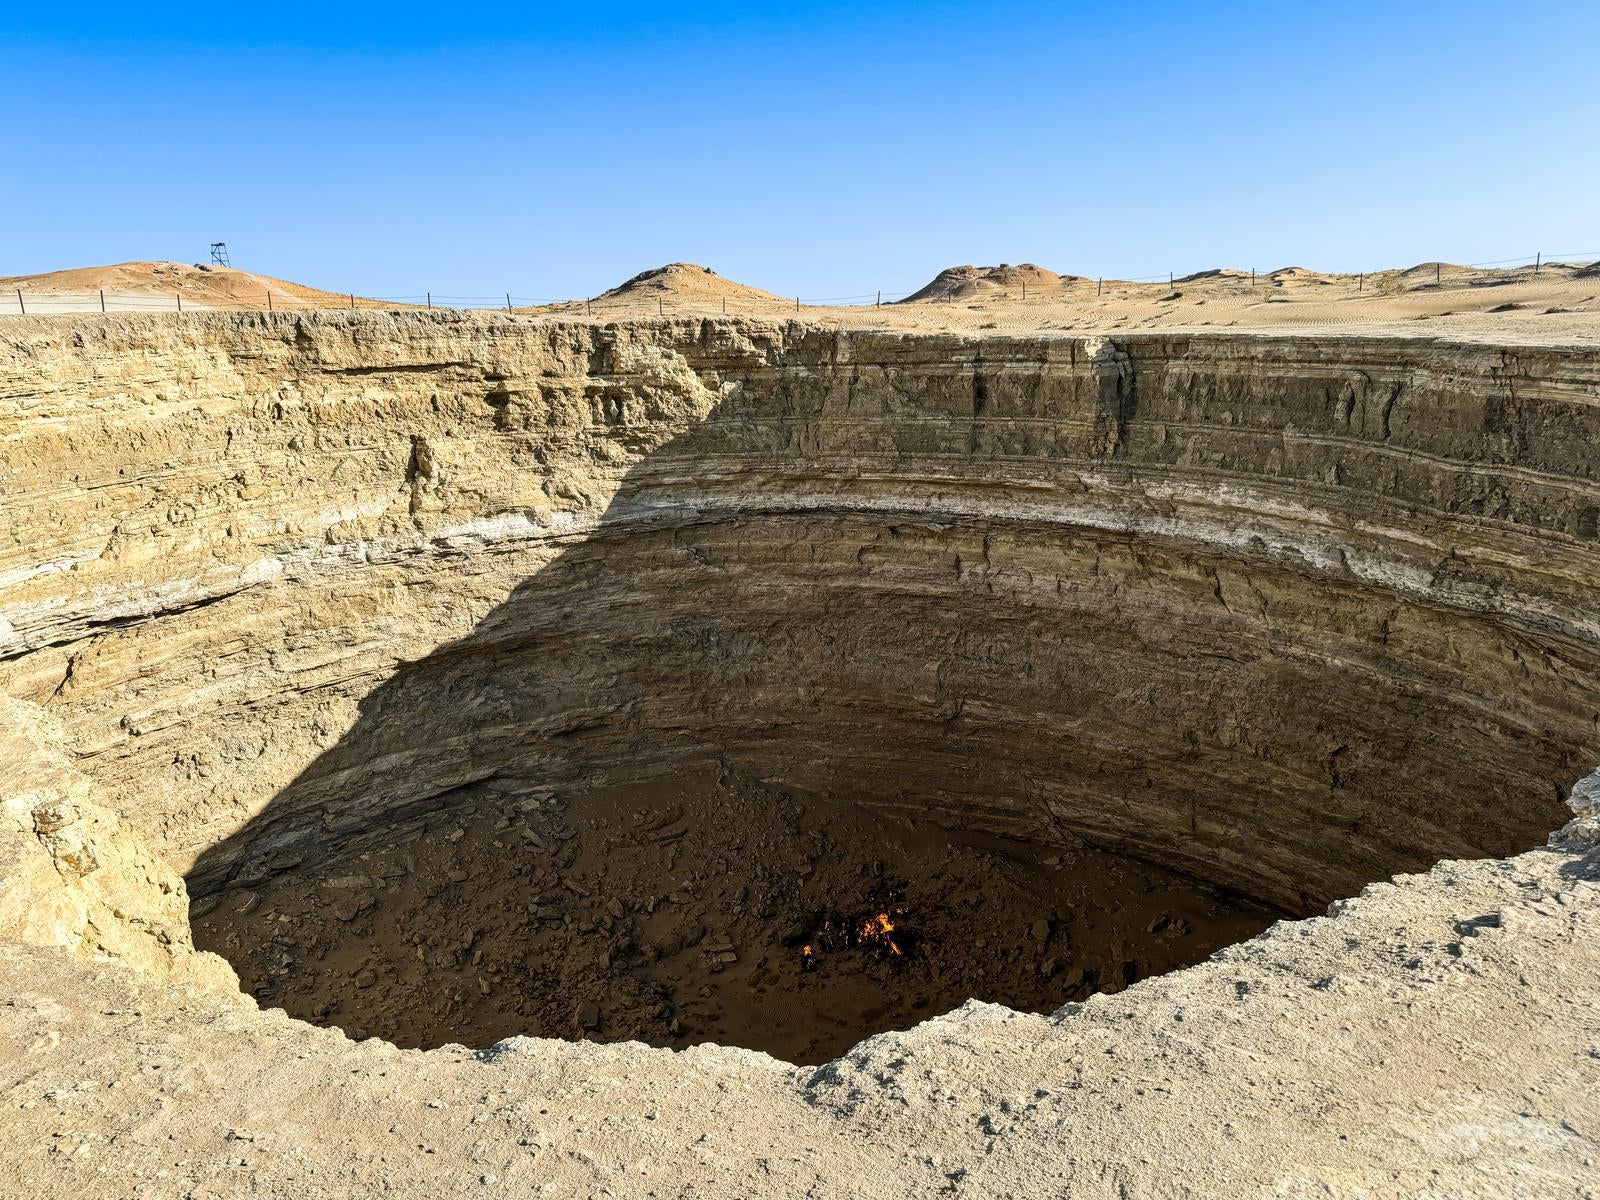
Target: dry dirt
1002	282
708	909
685	283
158	286
1559	301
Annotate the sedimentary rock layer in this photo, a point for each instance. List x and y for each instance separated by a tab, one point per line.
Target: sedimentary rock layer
1287	613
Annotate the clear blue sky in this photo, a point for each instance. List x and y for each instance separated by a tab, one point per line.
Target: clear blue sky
817	149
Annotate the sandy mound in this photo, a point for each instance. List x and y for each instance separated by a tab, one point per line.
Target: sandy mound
1213	273
203	285
1293	275
954	283
685	281
1558	302
1426	273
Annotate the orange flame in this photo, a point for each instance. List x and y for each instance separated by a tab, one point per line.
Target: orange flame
878	929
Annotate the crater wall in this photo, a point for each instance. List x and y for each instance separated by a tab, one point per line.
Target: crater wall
280	576
1291	613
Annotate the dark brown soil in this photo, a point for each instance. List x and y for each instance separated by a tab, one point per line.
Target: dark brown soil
707	909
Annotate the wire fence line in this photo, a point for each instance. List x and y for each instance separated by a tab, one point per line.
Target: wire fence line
20	301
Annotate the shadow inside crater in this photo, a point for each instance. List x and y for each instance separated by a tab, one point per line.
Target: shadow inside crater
821	700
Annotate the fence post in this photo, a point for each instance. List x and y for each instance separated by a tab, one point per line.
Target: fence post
430	301
1169	278
724	306
661	307
180	304
1099	283
1252	277
1438	273
797	304
1361	281
269	299
879	302
588	306
508	303
20	304
102	299
352	301
1536	259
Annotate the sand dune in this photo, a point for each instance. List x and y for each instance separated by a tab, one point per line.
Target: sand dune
685	281
959	283
159	285
1558	302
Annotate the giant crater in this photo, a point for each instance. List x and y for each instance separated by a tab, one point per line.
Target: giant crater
773	685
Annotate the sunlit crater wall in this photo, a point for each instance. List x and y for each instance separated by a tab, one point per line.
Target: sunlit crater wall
1287	613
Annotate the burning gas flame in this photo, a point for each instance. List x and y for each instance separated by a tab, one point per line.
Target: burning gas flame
879	929
875	933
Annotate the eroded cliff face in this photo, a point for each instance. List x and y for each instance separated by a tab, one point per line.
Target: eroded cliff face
1285	613
74	877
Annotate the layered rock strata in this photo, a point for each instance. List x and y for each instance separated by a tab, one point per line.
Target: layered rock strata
1287	614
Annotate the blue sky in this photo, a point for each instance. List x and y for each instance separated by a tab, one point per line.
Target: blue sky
816	149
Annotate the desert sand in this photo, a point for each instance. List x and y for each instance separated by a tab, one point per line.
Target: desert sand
159	286
1556	302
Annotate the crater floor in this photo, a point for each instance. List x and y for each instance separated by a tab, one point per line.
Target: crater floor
706	909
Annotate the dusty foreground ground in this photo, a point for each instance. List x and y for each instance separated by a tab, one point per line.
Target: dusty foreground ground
1439	1036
